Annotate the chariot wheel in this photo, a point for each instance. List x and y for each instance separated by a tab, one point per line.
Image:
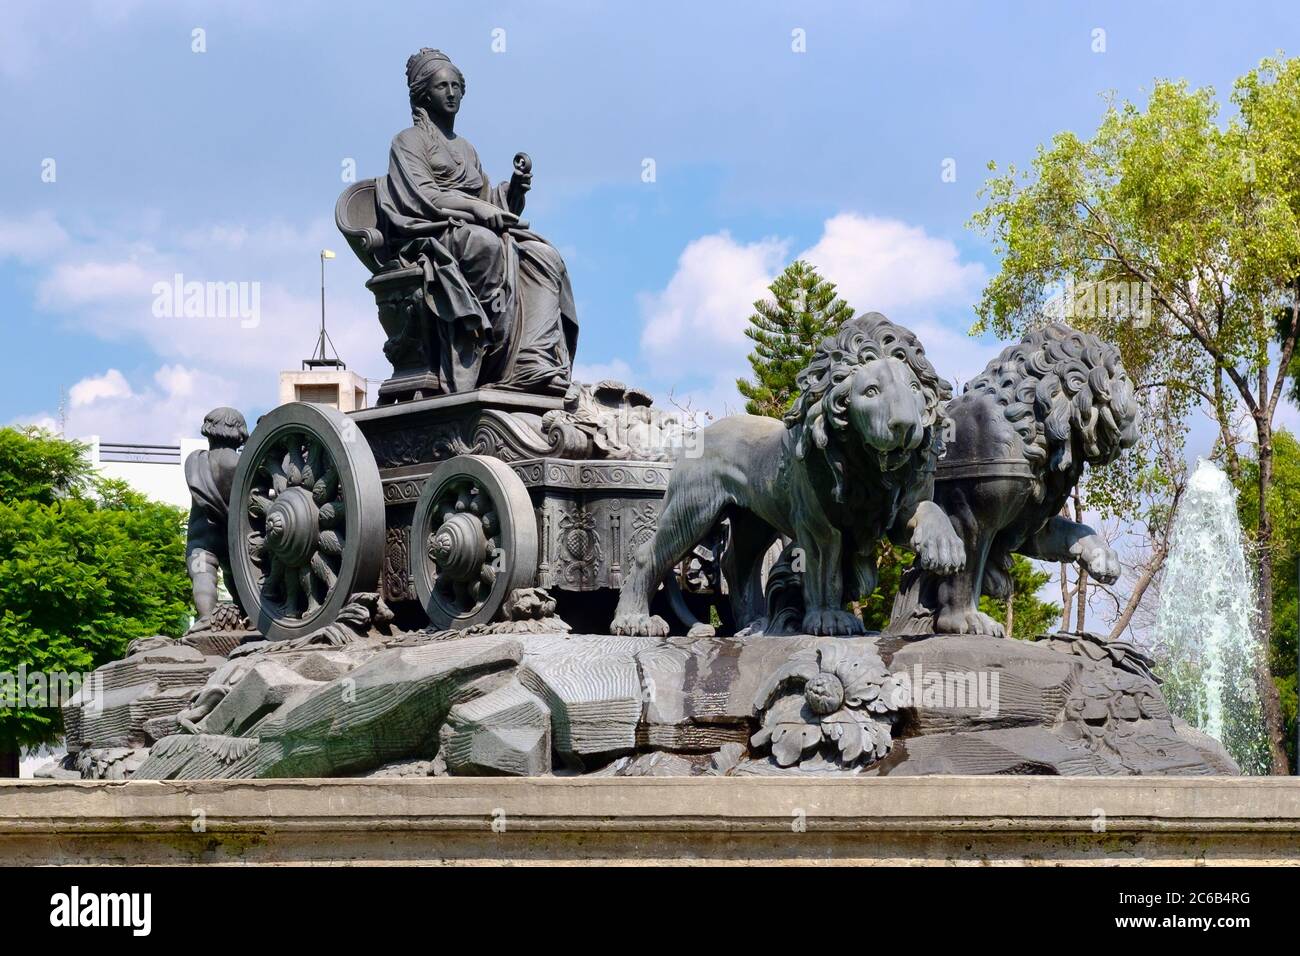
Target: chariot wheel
306	519
473	541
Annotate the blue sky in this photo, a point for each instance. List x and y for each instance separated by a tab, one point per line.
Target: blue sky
224	165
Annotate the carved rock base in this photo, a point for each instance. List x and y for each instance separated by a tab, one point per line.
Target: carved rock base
536	704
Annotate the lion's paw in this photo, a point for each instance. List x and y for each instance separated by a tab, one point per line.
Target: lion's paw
939	548
831	622
968	622
639	625
1098	557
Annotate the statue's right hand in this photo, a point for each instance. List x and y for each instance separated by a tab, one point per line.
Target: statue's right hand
495	218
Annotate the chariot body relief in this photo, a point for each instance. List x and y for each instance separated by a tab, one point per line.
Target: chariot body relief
497	295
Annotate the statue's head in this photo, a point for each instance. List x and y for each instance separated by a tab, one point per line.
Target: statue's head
225	427
1083	404
886	405
871	386
434	83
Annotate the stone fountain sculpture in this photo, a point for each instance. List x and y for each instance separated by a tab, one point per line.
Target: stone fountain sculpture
431	582
469	295
853	462
209	475
1022	432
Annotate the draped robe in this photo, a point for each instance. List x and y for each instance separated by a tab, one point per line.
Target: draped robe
500	305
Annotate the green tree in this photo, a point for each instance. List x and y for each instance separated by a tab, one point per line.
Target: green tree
786	330
1029	616
1167	205
1283	495
35	466
86	565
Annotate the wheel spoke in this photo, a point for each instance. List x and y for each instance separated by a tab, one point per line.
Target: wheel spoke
320	567
311	462
292	592
272	584
332	515
329	542
308	585
327	486
460	593
271	465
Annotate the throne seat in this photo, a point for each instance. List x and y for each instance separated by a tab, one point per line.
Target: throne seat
357	216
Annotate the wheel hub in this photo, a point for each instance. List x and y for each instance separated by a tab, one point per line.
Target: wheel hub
459	547
292	524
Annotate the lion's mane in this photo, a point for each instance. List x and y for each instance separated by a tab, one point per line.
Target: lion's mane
1057	385
818	420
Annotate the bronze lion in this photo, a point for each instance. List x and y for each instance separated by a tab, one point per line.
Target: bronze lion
854	460
1022	432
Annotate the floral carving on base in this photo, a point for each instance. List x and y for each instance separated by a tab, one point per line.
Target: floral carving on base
832	703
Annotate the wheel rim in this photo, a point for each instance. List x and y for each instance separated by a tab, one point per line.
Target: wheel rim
473	541
307	512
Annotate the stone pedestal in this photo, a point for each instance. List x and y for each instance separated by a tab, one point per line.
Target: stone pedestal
944	821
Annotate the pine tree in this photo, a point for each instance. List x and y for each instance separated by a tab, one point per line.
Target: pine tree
786	331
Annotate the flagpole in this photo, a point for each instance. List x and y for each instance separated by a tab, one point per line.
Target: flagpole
321	356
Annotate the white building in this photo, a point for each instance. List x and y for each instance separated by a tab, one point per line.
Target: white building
333	386
156	471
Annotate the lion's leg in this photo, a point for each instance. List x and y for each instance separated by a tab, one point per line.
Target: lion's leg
1064	540
860	572
823	583
959	595
691	509
980	510
742	564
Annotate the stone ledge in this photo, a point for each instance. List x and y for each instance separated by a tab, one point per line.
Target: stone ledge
930	820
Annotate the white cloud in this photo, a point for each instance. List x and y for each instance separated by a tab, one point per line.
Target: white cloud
617	369
111	385
708	300
165	410
883	265
89	282
39	420
176	380
104	287
693	342
33	238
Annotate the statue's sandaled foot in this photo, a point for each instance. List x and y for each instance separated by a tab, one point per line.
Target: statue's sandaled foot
967	621
831	622
639	625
